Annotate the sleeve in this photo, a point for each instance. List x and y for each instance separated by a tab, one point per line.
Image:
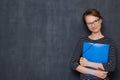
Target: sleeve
76	55
111	65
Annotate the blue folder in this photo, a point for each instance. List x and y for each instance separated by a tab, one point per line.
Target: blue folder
96	52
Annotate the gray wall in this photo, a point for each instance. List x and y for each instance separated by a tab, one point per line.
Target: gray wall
37	37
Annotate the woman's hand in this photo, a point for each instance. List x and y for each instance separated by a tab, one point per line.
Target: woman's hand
84	62
100	74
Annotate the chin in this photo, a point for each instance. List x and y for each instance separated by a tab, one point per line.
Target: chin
95	31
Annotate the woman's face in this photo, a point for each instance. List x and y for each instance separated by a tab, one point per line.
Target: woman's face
93	23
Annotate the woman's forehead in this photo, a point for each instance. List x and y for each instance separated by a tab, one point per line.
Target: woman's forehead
90	18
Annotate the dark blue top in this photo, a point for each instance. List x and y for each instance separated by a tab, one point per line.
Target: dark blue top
109	67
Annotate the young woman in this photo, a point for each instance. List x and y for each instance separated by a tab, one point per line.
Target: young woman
93	21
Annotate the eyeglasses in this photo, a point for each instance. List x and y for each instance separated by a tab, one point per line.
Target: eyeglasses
95	22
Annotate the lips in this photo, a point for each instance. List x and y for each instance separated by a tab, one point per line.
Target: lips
94	28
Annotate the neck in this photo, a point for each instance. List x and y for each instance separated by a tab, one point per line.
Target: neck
95	36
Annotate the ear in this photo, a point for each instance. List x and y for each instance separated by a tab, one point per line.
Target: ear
100	20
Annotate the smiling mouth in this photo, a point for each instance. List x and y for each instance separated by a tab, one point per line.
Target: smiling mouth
94	28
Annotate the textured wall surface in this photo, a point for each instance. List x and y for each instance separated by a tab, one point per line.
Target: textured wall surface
37	37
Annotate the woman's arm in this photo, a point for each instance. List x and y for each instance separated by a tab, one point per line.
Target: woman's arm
85	62
98	73
109	66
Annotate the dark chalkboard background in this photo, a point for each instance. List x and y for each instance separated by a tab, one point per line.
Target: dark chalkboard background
37	37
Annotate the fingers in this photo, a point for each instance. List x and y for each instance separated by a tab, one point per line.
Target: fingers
82	59
102	74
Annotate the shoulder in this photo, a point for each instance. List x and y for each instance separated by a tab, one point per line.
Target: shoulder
110	41
81	40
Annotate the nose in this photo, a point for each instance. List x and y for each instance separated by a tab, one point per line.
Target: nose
92	25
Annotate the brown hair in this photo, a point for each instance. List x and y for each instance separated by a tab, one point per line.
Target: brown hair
92	12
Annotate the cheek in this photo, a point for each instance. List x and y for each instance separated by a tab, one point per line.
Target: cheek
90	29
99	26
